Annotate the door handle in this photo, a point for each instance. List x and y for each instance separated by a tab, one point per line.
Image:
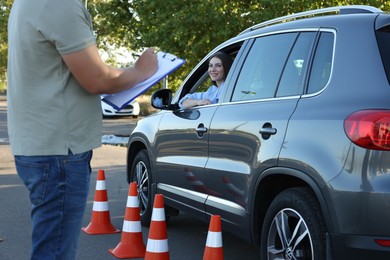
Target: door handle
201	130
267	130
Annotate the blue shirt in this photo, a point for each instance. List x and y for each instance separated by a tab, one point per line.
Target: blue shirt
211	94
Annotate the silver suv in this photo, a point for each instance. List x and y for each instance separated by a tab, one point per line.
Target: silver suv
295	157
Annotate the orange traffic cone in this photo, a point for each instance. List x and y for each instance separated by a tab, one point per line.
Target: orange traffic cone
132	244
157	246
100	222
214	249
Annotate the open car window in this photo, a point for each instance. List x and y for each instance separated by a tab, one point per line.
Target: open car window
202	84
199	81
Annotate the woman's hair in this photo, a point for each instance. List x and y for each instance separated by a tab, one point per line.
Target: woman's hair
227	61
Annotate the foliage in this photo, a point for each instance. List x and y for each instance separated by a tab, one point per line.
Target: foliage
113	23
192	28
4	12
186	28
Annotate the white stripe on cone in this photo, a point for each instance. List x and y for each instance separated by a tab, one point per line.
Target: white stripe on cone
158	214
131	226
132	202
100	206
157	245
100	185
214	239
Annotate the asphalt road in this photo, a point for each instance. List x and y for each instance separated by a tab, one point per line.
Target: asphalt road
186	235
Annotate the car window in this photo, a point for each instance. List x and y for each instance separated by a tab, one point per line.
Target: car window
383	37
199	81
263	66
292	79
202	84
320	71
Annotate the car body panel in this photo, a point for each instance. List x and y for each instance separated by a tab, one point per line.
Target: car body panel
251	150
182	152
326	113
132	109
238	152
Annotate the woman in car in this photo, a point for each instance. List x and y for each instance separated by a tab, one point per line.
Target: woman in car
219	66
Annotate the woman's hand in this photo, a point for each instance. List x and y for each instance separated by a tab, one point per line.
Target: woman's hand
203	102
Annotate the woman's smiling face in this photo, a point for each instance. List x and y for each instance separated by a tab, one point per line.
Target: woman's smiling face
216	70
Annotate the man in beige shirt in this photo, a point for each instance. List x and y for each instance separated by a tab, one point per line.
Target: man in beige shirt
55	76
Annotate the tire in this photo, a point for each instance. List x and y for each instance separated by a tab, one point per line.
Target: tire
141	174
293	210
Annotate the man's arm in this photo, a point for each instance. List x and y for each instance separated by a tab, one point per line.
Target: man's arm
97	77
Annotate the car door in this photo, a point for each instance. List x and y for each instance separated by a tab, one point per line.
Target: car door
182	149
182	144
248	129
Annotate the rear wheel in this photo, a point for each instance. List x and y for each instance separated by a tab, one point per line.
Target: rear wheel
141	174
293	227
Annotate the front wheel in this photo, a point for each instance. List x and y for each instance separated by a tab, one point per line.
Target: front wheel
293	227
140	173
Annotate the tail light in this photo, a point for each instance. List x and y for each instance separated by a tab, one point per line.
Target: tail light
383	242
369	129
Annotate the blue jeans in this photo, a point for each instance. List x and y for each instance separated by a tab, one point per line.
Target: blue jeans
58	188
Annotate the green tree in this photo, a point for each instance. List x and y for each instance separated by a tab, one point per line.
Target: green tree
113	23
186	28
192	28
4	13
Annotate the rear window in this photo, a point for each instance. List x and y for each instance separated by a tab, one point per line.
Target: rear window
322	63
383	37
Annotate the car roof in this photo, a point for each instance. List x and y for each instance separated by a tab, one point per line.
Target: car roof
342	10
331	17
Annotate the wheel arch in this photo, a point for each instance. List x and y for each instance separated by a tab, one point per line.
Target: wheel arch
134	146
273	181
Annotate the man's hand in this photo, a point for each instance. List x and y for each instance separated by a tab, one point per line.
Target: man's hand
147	63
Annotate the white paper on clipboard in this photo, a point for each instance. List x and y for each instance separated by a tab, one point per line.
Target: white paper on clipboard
167	63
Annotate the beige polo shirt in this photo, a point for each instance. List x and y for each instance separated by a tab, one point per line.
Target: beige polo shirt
48	111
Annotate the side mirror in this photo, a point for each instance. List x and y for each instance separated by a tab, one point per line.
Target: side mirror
161	99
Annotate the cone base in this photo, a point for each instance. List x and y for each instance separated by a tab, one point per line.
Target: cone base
128	251
213	253
92	229
156	256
